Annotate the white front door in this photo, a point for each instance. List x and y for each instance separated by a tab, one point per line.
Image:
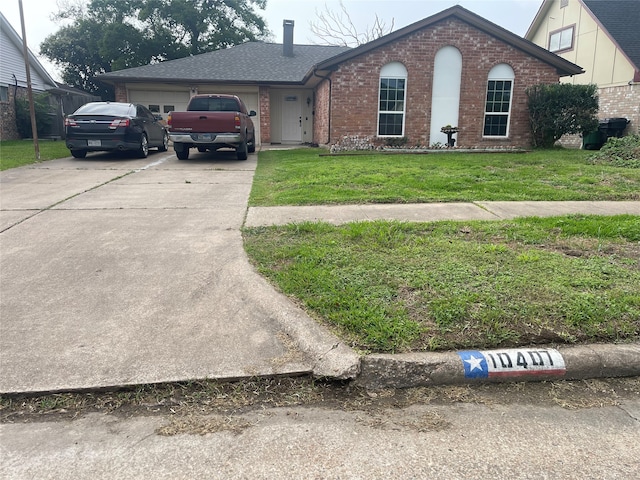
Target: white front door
292	118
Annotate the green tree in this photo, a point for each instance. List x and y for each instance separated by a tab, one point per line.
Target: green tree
559	109
43	111
110	35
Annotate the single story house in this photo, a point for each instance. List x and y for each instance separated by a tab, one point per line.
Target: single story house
453	68
603	38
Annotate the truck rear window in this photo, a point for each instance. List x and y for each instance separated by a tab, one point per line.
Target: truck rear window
213	105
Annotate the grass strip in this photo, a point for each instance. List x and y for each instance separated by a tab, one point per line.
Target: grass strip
302	177
17	153
394	287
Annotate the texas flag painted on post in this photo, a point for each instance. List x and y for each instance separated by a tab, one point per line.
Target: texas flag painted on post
512	363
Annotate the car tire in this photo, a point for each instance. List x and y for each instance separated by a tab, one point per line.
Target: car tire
78	153
182	152
143	149
252	144
165	143
241	151
202	149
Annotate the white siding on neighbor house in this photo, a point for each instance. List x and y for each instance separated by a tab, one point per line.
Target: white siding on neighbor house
12	63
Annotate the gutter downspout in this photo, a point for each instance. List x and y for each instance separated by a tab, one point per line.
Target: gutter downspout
315	74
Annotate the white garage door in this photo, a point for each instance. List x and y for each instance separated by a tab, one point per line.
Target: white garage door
160	102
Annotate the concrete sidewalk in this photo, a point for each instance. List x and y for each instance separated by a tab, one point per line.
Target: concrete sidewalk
429	212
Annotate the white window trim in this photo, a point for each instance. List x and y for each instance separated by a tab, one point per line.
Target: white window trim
500	78
394	75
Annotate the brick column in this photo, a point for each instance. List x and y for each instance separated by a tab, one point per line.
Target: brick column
265	115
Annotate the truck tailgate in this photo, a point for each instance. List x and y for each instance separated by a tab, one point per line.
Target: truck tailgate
203	122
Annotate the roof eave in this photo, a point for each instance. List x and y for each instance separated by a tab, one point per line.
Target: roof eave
112	80
537	20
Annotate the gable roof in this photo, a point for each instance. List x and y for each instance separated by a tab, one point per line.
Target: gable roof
564	67
249	63
12	36
620	18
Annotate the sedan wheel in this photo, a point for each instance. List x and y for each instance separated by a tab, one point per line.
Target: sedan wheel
143	150
165	143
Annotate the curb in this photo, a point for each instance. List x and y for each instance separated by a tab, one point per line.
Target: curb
408	370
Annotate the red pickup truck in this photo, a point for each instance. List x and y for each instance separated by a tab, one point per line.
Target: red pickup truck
212	122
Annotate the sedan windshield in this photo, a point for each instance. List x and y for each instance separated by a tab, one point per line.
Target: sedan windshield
115	109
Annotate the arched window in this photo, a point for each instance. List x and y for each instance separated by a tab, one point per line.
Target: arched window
498	105
392	105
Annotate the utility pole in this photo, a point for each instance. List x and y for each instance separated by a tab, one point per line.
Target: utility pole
32	108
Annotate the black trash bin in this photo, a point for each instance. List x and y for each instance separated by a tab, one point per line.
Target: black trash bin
613	127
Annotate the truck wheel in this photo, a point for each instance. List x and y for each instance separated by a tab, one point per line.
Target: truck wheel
241	151
202	149
182	151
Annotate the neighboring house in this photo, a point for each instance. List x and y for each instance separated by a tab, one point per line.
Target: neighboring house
13	85
602	36
453	68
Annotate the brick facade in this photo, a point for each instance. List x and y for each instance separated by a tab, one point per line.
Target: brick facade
355	86
121	92
8	129
265	114
614	102
621	101
321	109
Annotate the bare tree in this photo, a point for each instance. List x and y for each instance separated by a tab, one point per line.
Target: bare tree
337	28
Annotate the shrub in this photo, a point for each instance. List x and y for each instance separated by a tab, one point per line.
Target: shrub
620	152
43	112
396	142
559	109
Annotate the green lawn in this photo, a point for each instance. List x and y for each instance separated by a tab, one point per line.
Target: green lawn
390	287
16	153
393	287
303	177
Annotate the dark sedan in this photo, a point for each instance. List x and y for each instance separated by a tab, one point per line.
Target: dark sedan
108	126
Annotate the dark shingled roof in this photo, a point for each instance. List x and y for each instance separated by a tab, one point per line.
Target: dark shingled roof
621	18
252	62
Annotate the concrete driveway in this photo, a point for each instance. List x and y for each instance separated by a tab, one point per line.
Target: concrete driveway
118	271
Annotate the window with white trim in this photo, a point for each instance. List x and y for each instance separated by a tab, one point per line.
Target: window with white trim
561	40
498	105
392	104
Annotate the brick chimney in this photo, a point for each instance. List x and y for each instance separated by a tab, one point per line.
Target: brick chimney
287	48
